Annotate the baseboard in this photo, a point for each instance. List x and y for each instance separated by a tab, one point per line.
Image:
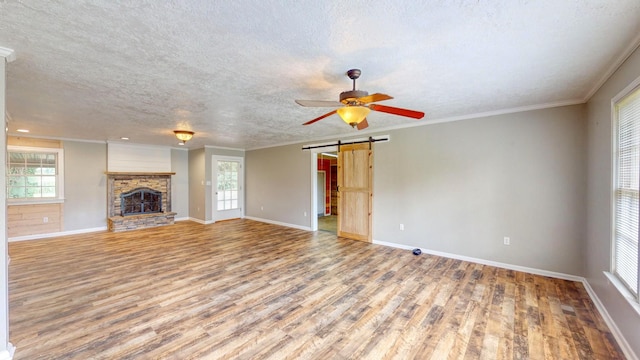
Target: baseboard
306	228
7	354
199	221
56	234
83	231
529	270
622	341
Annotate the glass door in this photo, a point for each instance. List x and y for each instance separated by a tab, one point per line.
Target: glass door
228	189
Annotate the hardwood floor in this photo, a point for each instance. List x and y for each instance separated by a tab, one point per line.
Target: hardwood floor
328	223
248	290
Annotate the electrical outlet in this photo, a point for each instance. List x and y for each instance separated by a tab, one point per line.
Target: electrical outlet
45	219
507	240
305	214
402	227
261	208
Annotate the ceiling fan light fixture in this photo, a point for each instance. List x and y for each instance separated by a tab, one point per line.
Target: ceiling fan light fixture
353	115
183	135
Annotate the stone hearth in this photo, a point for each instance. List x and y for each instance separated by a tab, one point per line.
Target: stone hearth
119	183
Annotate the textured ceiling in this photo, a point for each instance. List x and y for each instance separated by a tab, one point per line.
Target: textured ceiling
230	70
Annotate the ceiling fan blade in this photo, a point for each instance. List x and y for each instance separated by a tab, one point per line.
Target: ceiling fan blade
374	97
362	124
397	111
318	103
320	118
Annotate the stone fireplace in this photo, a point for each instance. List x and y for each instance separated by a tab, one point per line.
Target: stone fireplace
138	200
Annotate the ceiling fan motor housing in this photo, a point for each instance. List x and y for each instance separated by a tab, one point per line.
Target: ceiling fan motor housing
351	97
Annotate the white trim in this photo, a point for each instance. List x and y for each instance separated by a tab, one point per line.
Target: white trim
59	173
324	193
613	177
136	145
185	218
33	201
7	53
613	67
278	223
55	138
8	353
617	334
434	121
61	233
222	148
314	187
499	112
215	213
487	262
626	91
624	291
199	221
613	171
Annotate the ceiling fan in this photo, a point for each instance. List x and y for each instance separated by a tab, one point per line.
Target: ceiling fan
355	105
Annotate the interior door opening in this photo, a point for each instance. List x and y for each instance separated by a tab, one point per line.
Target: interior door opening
326	191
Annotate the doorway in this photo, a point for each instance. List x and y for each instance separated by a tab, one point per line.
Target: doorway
326	191
227	193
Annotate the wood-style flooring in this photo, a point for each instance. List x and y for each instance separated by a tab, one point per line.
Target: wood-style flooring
328	223
242	289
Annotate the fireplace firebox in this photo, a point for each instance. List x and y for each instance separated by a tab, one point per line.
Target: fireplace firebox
140	201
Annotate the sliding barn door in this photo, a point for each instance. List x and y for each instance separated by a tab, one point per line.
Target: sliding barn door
355	173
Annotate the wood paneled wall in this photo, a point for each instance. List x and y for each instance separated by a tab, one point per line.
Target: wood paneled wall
24	220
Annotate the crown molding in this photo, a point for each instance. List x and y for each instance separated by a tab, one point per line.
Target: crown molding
613	67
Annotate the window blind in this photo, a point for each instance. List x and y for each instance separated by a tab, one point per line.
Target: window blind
627	189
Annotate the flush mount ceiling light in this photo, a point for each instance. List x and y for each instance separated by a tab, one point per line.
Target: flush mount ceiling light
183	135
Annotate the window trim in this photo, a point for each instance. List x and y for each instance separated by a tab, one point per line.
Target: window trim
633	299
59	176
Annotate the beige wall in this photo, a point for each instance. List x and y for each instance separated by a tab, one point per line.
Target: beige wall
278	185
180	183
197	184
597	247
85	204
461	187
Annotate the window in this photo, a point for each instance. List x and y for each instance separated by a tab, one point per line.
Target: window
626	200
34	174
